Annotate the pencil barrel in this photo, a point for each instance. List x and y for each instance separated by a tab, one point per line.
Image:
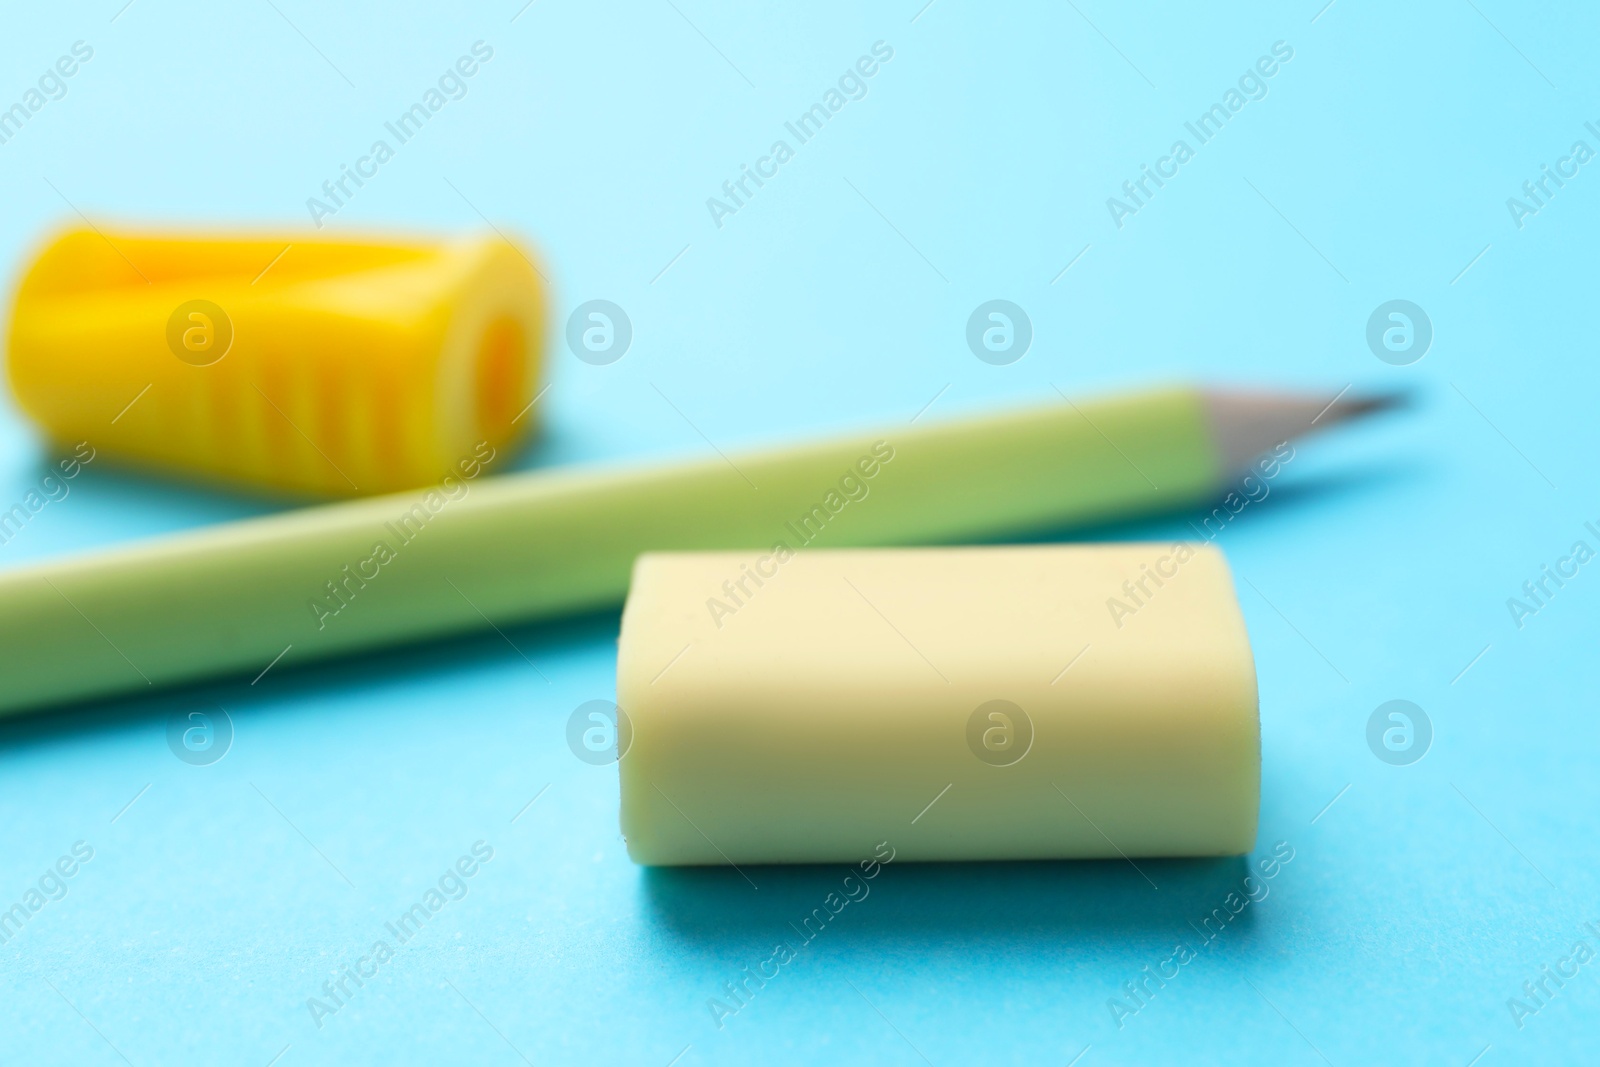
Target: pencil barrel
473	549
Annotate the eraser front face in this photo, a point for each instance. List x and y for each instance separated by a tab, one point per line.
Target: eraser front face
1027	702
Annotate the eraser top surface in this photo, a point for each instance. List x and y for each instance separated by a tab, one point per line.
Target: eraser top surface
921	616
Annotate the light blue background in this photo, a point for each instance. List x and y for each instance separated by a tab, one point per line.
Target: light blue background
1378	167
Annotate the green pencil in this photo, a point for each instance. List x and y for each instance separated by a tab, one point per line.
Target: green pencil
475	552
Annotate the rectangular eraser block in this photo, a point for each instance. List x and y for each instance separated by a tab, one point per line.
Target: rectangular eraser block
1028	702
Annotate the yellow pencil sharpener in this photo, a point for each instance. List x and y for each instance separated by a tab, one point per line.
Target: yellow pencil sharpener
330	366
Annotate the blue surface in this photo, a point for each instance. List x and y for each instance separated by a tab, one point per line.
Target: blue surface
977	166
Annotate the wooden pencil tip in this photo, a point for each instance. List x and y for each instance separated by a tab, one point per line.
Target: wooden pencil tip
1245	424
1350	407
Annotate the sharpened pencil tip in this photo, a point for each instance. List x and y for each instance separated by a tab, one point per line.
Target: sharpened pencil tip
1351	407
1245	424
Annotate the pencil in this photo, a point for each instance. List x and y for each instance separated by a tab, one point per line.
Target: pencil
476	551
